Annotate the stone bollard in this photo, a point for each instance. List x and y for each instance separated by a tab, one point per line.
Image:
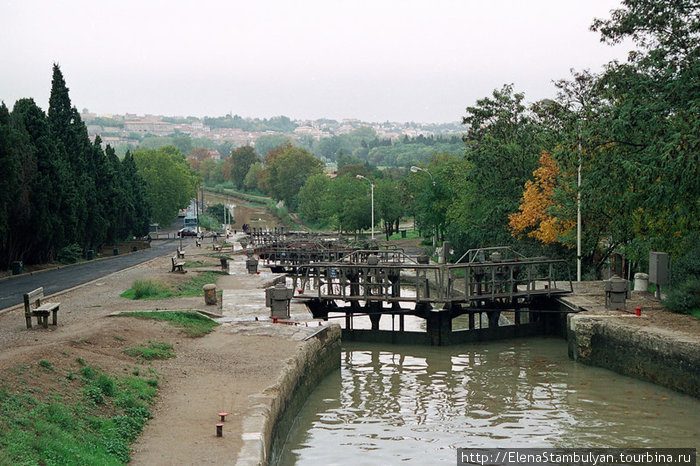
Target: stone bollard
210	294
277	298
641	282
616	292
252	265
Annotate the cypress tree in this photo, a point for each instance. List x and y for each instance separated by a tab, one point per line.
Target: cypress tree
43	179
138	205
82	216
10	184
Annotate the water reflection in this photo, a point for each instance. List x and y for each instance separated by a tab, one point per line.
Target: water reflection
419	404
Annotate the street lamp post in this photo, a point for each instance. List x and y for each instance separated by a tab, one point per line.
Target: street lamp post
415	169
360	177
578	210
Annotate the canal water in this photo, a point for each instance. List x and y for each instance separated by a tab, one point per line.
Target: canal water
417	405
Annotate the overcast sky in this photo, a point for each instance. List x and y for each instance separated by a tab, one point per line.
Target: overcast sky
377	60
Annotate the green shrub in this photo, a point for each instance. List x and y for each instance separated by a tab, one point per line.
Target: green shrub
94	394
684	298
147	289
69	254
154	350
46	365
88	372
686	267
106	385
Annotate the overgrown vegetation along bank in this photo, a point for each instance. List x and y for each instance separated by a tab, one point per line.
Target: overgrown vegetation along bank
71	413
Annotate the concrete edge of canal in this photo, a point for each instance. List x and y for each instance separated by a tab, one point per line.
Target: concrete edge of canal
275	408
661	357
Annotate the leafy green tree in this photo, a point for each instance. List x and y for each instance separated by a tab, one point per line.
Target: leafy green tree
313	199
503	147
353	170
430	193
348	204
287	172
241	160
254	173
387	206
170	182
651	128
211	170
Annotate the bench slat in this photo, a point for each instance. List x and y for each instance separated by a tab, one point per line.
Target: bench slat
35	294
48	307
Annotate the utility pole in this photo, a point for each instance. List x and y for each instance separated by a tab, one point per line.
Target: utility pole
578	210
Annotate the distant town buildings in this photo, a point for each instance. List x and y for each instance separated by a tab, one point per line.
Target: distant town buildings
130	128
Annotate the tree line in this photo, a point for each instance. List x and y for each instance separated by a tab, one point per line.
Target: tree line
61	194
631	131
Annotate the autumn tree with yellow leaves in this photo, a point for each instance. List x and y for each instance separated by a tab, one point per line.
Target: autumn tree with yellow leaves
533	217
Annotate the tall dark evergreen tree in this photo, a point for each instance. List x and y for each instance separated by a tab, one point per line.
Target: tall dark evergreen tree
10	184
138	207
45	178
61	122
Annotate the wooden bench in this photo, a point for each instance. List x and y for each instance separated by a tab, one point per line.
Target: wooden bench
180	253
34	308
177	266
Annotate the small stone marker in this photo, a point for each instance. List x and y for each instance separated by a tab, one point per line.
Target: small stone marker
209	293
219	430
223	416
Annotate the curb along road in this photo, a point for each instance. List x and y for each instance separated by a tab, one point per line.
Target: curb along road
63	278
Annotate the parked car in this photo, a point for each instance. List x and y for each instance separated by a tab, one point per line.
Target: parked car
187	232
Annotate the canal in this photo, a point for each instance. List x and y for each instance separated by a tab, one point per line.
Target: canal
417	405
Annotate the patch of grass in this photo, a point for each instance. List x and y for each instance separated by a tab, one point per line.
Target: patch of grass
118	338
88	372
154	350
46	365
148	289
83	431
194	264
193	287
191	324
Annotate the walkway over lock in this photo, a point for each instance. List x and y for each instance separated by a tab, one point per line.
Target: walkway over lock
388	282
284	251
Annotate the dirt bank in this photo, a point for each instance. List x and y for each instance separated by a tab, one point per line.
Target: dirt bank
221	372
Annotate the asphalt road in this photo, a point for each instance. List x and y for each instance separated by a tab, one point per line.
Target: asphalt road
53	281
